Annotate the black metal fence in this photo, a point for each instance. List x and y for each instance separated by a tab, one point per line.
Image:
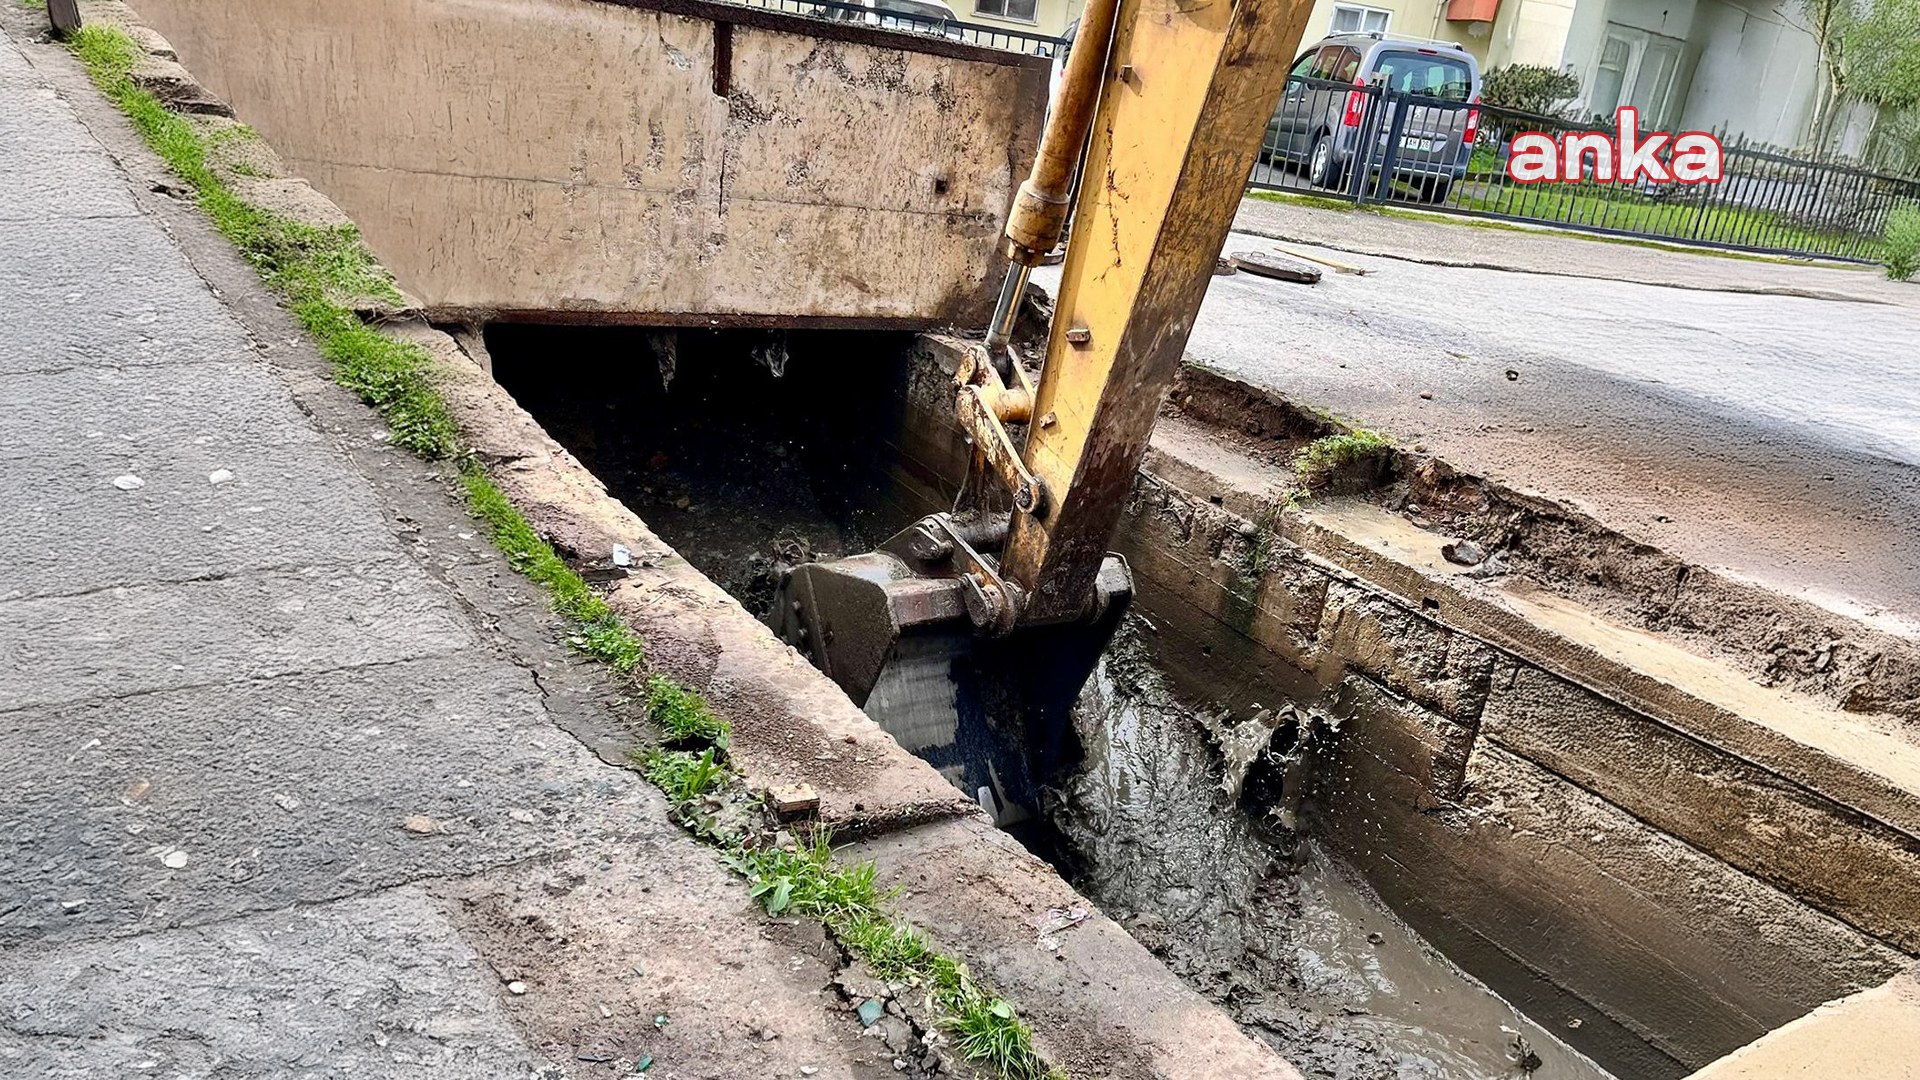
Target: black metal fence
910	22
1371	144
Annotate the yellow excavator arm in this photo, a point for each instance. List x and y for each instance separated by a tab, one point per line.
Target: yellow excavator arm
968	635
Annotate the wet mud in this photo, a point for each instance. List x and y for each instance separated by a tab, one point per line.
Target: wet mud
1255	916
747	450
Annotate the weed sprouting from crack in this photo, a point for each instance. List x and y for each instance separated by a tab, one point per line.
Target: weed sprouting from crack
597	631
683	715
685	777
986	1030
1263	549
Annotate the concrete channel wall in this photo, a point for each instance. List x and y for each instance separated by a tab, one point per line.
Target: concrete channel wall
651	161
1660	881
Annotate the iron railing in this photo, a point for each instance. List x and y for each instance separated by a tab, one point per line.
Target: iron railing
992	37
1408	148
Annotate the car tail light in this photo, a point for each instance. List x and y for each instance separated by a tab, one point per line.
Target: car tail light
1356	103
1473	122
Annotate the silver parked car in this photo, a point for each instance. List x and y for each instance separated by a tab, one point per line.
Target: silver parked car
913	16
1317	124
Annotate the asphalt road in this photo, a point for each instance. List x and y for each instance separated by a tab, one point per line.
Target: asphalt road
1773	436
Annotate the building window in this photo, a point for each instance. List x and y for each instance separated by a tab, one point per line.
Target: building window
1022	10
1352	19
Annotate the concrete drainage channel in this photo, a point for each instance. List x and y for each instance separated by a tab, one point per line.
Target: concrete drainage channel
1660	854
1192	817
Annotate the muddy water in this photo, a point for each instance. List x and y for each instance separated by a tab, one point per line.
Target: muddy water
1263	923
741	469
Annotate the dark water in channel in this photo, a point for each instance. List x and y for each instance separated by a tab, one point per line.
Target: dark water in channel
741	469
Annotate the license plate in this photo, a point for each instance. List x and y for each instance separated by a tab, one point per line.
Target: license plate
1423	146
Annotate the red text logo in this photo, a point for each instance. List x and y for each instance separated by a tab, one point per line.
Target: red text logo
1692	157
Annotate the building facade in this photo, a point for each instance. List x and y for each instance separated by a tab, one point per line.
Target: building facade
1049	17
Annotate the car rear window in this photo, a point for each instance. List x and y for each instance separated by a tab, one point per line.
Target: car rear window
1444	77
914	7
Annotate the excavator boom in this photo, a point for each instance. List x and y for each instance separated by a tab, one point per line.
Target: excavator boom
968	635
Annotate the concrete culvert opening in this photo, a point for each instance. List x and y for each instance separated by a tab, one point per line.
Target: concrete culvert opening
744	449
1184	817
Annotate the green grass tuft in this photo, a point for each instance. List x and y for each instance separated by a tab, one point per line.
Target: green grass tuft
1320	461
597	630
986	1030
895	953
806	881
684	776
684	715
1321	202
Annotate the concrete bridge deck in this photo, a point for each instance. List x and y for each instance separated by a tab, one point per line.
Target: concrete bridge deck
658	162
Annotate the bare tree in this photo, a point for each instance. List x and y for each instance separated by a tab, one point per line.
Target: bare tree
1828	22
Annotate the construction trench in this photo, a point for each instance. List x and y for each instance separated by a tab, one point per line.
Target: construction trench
1567	807
1289	783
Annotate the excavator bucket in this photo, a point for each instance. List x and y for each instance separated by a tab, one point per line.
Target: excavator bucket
916	636
968	635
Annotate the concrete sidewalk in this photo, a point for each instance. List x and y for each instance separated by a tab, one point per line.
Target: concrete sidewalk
280	800
1410	235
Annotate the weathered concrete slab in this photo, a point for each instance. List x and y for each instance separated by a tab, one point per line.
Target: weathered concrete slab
1577	911
70	307
287	791
1422	745
1861	870
231	479
373	986
142	638
631	928
77	183
647	160
37	124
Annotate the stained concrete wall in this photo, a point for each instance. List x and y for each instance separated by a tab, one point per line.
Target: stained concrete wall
652	161
1875	1033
